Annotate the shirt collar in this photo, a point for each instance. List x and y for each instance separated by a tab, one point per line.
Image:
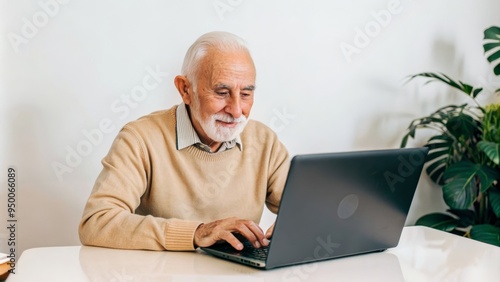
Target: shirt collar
187	136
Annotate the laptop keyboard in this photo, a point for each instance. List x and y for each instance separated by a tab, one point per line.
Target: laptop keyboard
248	251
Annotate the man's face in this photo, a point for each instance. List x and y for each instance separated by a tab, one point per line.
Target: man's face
223	96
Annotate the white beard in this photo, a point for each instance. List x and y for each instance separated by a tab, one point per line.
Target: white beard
217	132
220	133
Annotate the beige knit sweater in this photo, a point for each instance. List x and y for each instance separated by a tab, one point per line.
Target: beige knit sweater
152	196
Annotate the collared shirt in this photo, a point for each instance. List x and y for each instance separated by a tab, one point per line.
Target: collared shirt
187	136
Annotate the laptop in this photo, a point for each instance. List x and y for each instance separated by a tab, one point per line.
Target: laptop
336	205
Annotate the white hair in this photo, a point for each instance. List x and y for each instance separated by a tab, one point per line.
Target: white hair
219	40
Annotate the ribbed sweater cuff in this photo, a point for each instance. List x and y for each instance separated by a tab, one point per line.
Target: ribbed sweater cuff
180	234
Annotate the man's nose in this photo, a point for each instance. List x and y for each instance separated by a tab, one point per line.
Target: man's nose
233	106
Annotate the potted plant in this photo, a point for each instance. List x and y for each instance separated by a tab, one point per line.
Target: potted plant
464	156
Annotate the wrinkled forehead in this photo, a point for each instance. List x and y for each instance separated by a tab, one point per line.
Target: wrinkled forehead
236	64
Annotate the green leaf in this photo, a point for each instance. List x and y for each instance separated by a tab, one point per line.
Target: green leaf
437	154
461	126
476	92
491	149
436	171
432	145
439	157
465	217
486	233
465	88
435	164
494	56
438	221
459	191
494	198
461	119
404	141
487	175
492	41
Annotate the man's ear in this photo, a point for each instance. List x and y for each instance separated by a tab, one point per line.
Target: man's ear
182	84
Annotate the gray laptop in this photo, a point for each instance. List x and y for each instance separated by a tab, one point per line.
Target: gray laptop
336	205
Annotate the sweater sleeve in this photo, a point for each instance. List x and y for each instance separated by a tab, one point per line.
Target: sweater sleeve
109	219
279	164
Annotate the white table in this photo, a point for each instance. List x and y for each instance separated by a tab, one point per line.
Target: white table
423	254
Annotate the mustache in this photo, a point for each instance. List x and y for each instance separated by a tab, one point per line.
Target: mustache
228	118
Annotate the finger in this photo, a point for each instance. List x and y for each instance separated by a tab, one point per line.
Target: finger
232	240
269	232
259	233
252	232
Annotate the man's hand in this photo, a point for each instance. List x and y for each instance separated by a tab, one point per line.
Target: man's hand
208	234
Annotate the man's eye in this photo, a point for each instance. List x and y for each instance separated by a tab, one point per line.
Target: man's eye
223	93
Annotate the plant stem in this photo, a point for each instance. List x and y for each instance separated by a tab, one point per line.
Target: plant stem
482	206
475	101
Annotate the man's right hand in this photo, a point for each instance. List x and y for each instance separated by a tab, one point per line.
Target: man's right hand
208	234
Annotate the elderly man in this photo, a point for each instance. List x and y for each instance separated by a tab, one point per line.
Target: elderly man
194	174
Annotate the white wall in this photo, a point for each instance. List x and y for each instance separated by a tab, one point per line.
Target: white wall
66	66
